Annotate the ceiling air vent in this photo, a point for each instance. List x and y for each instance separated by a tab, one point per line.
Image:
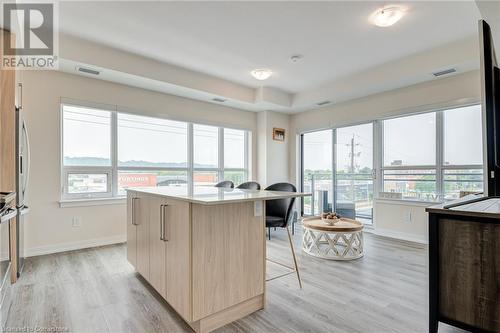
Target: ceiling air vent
88	70
323	103
444	72
218	100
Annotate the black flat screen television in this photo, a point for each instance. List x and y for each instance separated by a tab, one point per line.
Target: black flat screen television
490	100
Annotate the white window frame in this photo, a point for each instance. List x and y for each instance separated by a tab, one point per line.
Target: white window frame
378	152
439	167
86	171
333	134
70	169
220	169
113	170
117	169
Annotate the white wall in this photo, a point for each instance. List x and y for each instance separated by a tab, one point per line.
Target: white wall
455	90
48	227
273	164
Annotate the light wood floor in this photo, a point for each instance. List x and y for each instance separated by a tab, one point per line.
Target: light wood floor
96	290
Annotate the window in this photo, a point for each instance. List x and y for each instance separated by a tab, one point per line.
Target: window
463	154
410	156
432	156
206	147
354	172
86	152
80	148
235	155
165	140
317	177
104	152
338	171
410	141
411	164
145	178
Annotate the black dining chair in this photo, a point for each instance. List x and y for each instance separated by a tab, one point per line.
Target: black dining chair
278	215
249	186
225	184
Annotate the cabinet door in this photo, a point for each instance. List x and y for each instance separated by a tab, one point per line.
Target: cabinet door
157	247
178	269
131	231
142	222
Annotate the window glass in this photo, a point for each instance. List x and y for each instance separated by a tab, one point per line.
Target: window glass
234	149
151	142
86	136
462	180
410	141
354	177
206	146
318	150
463	136
237	177
412	184
205	178
143	178
80	183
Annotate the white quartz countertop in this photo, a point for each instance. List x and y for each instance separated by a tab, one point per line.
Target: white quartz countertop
209	195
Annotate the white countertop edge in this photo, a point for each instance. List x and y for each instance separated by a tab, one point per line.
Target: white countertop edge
278	195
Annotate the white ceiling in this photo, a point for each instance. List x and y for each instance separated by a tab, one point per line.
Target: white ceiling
229	39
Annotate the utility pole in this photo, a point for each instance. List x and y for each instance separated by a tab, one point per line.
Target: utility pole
352	166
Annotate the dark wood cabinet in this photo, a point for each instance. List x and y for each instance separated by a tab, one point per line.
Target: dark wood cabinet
464	264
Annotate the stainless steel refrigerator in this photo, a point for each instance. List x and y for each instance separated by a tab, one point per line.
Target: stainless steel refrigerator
22	177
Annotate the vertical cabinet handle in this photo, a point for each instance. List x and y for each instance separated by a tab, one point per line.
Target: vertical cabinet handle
133	211
163	226
162	218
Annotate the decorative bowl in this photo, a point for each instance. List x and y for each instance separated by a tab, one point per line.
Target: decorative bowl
330	218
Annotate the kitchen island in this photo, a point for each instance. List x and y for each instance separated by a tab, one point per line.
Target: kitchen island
202	249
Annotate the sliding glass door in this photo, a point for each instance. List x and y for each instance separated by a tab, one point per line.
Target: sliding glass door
337	169
354	172
317	176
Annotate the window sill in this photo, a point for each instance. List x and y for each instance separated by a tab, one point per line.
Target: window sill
407	202
92	202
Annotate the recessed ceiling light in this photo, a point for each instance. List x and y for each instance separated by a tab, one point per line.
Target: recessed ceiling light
262	73
87	70
296	58
218	100
385	17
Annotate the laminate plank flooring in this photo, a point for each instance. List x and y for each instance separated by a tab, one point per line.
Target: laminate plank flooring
97	290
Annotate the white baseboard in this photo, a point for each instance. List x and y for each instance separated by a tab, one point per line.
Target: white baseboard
400	235
70	246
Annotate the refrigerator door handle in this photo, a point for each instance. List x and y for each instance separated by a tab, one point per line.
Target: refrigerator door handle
28	159
20	94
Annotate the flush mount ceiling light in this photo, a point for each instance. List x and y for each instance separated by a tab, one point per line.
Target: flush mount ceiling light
385	17
262	73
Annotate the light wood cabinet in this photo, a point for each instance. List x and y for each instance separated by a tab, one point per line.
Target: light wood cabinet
141	209
207	261
157	245
131	231
178	257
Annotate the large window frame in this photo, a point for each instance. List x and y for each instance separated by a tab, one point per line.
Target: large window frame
439	167
113	170
334	170
378	155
